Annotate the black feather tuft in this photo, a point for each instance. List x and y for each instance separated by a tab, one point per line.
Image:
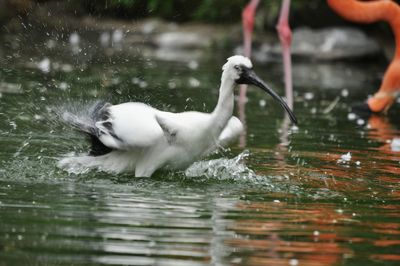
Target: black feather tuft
98	148
86	124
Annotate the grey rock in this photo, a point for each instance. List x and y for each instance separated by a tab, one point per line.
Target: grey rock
335	76
325	44
177	55
333	43
182	40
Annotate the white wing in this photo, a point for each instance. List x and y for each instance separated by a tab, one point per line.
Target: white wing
231	132
130	125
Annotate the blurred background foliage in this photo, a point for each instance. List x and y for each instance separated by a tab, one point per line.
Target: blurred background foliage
176	10
312	13
212	11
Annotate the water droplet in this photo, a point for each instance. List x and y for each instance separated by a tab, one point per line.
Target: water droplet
105	39
345	158
44	65
135	80
117	36
171	84
74	39
193	65
38	117
143	84
360	122
351	116
308	96
313	110
63	86
193	82
395	145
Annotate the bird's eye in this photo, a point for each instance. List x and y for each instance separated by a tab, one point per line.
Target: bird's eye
237	67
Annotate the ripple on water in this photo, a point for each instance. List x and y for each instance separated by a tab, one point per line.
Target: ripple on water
235	170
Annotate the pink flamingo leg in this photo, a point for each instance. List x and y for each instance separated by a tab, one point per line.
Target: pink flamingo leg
248	15
285	36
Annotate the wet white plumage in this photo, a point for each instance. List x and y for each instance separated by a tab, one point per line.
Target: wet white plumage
137	137
145	139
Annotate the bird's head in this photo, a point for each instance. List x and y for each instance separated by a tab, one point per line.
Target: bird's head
235	65
240	69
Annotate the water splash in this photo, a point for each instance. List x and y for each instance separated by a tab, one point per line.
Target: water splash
345	158
75	113
223	168
236	170
395	145
75	164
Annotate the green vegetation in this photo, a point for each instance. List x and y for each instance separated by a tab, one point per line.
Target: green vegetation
177	10
315	13
216	11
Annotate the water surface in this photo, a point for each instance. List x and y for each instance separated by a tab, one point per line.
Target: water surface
287	198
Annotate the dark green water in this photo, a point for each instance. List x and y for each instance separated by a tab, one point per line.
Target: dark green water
266	204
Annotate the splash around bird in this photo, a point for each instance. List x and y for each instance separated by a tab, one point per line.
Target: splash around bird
134	136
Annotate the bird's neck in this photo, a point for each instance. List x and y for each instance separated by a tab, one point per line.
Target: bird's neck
224	109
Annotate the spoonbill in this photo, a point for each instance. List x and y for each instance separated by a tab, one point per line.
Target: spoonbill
134	136
368	12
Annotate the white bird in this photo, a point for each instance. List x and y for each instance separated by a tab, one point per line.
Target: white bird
136	137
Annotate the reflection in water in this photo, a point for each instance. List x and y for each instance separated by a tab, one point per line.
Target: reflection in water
380	130
129	223
274	239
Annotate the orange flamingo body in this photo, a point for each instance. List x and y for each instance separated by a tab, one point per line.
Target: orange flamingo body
369	12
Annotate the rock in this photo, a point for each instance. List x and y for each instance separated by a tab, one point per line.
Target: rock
326	44
182	40
333	43
180	45
326	75
177	55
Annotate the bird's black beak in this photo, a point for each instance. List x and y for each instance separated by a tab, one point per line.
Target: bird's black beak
249	77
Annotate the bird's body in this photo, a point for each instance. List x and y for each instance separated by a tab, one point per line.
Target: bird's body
136	137
147	146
